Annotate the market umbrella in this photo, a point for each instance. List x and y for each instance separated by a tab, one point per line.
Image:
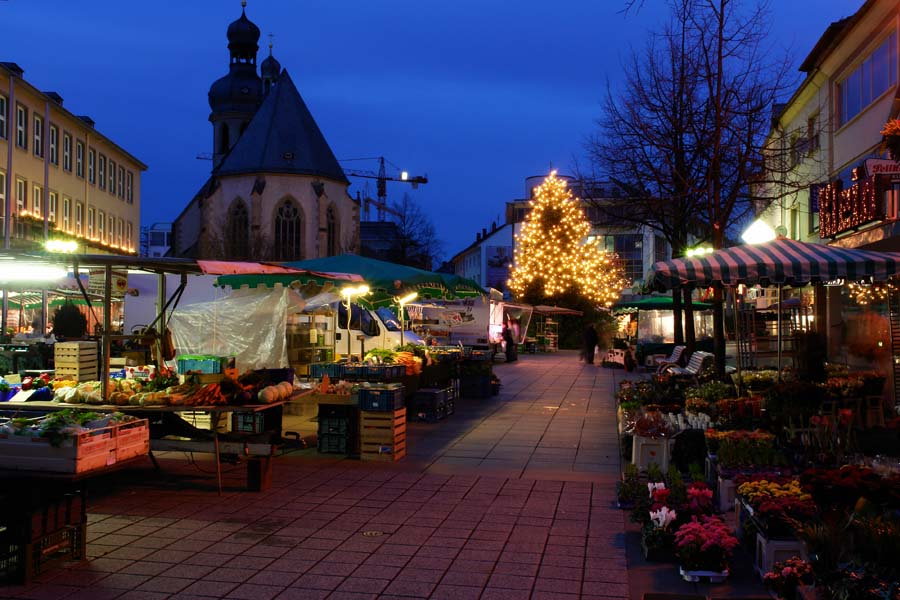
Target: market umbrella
653	303
543	309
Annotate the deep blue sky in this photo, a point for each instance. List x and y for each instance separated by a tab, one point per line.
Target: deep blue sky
477	94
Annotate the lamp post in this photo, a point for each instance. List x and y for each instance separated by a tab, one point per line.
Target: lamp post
348	293
403	302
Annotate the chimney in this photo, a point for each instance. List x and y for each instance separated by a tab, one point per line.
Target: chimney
55	97
493	226
477	237
87	120
483	232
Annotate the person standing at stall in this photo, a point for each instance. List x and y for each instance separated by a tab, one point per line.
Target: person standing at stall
512	350
590	343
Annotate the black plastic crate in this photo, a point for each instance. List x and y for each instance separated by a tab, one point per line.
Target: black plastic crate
429	404
337	426
248	422
335	443
381	398
21	561
319	370
428	413
449	407
338	411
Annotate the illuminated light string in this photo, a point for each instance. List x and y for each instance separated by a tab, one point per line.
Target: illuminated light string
553	248
873	293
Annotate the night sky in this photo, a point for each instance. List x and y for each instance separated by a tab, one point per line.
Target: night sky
477	94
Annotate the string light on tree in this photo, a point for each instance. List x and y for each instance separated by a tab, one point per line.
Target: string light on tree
873	293
553	251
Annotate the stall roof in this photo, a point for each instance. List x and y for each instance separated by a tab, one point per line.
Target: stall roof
652	303
781	261
543	309
386	280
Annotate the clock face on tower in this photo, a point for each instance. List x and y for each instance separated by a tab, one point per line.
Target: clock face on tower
245	90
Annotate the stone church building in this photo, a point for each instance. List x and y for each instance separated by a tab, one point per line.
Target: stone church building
276	191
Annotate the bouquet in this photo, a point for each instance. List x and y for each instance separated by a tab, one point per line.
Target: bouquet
786	577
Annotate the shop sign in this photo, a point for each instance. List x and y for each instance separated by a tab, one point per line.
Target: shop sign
882	166
97	282
842	210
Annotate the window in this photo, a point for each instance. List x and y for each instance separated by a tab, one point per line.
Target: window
129	231
67	214
37	195
101	172
812	134
21	195
90	223
54	145
79	214
92	163
629	247
112	177
238	231
129	187
67	152
119	233
288	231
21	126
876	75
795	223
53	205
101	226
2	193
333	243
38	136
4	111
79	158
110	230
814	207
120	182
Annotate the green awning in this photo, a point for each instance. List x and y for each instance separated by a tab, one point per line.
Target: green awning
386	280
653	303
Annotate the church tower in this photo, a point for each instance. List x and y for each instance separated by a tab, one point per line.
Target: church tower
234	98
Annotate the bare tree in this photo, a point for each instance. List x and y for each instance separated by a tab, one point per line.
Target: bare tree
416	243
686	136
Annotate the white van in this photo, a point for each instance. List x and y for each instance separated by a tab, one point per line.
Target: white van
369	329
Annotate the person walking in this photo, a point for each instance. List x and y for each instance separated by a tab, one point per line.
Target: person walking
590	343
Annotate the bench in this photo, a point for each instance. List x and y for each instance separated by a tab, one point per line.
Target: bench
671	360
698	362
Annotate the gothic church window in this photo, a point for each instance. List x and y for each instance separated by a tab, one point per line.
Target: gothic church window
333	243
238	231
288	231
224	145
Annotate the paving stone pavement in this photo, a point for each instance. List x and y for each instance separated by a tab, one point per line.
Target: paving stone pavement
512	497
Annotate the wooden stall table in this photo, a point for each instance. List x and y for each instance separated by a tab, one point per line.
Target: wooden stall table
259	467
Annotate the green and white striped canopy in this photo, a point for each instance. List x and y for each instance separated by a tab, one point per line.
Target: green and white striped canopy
781	261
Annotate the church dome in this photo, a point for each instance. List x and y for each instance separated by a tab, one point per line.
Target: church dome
237	91
243	34
270	68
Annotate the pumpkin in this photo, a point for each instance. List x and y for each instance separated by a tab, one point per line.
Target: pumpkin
286	389
268	394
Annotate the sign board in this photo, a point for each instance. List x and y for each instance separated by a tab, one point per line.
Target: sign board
97	282
882	166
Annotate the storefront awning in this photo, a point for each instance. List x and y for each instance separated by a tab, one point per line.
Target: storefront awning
781	261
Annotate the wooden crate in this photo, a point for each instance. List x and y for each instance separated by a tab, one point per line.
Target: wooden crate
76	360
382	435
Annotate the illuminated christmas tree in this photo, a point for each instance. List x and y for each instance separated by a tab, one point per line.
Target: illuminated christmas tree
554	255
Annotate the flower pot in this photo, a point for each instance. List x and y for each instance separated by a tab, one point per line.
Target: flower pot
695	576
656	553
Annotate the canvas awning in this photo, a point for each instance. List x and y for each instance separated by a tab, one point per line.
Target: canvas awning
781	261
386	280
543	309
652	303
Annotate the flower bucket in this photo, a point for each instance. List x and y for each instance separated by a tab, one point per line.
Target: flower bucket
697	576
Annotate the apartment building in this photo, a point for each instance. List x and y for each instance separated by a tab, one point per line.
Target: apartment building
60	177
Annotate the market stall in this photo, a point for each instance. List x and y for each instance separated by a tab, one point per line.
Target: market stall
653	325
547	326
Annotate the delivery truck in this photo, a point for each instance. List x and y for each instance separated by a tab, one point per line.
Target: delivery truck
476	322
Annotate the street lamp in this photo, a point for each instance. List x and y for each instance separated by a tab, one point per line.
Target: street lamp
759	232
403	302
349	293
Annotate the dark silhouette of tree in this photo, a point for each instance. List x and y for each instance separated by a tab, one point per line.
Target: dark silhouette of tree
416	243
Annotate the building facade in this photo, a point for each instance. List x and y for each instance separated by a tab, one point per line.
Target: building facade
276	191
834	183
60	177
488	259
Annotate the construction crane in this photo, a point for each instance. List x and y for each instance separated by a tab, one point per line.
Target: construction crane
381	182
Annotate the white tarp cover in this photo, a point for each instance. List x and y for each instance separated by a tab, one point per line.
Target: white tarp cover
249	324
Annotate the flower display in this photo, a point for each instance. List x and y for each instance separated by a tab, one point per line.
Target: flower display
704	544
741	448
699	499
662	518
785	577
784	516
756	492
655	485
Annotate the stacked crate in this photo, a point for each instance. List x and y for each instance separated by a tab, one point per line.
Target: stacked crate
382	435
430	404
338	429
76	360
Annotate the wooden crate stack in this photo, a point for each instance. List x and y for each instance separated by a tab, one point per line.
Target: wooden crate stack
76	360
382	435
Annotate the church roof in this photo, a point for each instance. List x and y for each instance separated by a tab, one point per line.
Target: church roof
282	138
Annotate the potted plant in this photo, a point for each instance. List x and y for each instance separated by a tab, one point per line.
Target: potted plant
629	488
786	578
890	141
703	548
656	535
69	322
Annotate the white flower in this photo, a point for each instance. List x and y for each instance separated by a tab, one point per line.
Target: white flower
652	487
663	517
